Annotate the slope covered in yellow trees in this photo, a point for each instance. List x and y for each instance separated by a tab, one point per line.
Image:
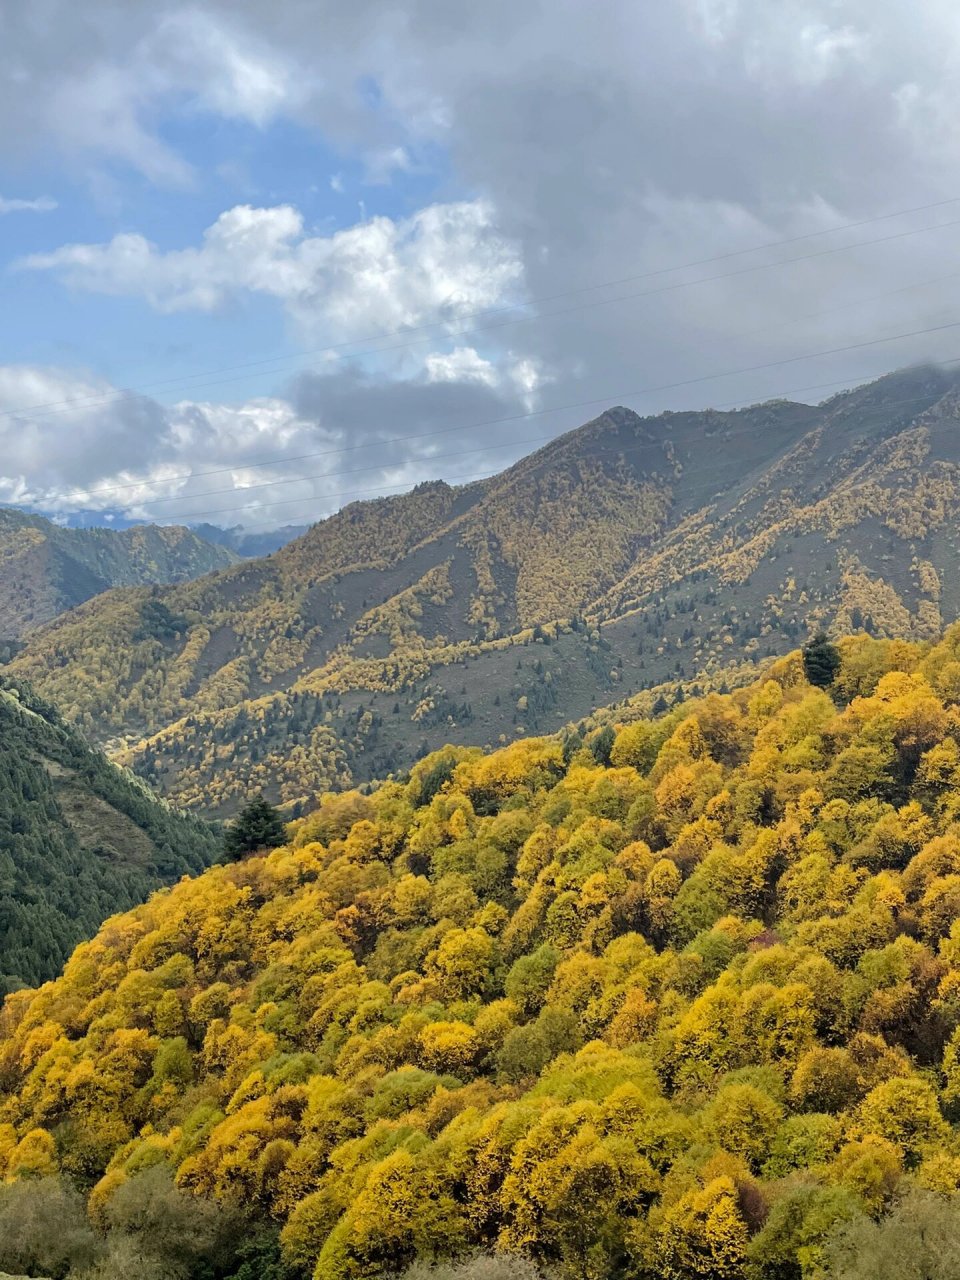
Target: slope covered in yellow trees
630	552
676	1002
46	569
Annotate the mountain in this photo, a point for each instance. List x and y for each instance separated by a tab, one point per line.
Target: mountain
46	569
678	1002
79	839
627	553
246	543
250	543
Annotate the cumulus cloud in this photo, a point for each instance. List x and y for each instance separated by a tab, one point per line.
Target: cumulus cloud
578	144
271	460
462	363
443	261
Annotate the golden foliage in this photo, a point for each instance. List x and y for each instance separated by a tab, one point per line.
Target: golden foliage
602	1015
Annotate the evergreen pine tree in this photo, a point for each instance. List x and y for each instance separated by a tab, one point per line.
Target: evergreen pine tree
601	744
821	661
257	826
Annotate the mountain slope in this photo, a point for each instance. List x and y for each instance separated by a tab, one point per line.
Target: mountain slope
249	543
46	569
624	554
79	840
678	1003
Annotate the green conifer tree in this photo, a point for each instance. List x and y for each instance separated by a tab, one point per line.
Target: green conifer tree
257	826
821	661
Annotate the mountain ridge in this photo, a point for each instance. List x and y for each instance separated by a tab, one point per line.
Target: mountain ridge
46	569
625	553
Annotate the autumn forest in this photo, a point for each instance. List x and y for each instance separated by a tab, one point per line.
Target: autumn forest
479	640
429	901
676	1001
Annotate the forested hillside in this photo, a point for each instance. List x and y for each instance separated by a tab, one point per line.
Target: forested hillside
46	569
79	840
676	1002
628	553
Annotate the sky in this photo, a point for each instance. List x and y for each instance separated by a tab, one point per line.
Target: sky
258	260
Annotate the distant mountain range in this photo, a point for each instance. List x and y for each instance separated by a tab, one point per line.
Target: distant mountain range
627	553
79	839
250	543
247	543
49	563
46	569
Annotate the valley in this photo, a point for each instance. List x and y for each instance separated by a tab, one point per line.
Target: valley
46	569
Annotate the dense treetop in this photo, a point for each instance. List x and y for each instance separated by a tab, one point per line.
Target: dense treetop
679	1004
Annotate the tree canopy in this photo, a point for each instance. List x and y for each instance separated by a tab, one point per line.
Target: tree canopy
257	826
821	661
691	1014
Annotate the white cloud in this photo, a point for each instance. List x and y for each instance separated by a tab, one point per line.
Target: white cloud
42	204
74	442
101	84
518	375
381	164
377	276
528	377
102	109
61	426
64	430
230	72
462	364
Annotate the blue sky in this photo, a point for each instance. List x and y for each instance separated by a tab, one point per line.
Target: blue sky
235	162
239	184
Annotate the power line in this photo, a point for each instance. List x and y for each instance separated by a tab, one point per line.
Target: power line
582	404
119	394
386	490
85	494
